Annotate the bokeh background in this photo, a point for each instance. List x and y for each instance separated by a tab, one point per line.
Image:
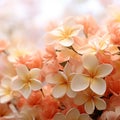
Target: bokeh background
29	19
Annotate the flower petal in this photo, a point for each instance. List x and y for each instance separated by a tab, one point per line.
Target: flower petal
59	116
17	84
34	73
98	86
55	78
59	91
89	106
99	103
90	62
25	91
71	93
80	98
86	49
84	117
66	42
2	91
72	114
103	70
6	81
35	84
22	71
5	99
79	82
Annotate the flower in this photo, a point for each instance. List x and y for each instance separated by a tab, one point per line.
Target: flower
90	101
26	80
111	115
94	76
64	33
62	81
6	91
72	114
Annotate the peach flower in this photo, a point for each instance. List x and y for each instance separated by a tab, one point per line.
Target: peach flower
94	76
26	80
72	114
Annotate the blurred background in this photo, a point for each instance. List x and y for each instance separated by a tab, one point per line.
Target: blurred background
29	19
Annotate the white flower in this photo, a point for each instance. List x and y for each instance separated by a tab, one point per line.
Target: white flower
62	81
94	77
6	92
26	80
64	33
72	114
90	101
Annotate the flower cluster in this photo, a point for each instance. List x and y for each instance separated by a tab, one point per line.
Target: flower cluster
76	76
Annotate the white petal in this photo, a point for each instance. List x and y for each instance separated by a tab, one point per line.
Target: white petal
86	49
22	71
2	91
99	103
79	82
26	91
57	78
66	42
80	98
59	116
72	114
5	82
89	106
98	86
84	117
34	73
71	93
17	84
5	99
90	62
103	70
35	84
67	69
59	91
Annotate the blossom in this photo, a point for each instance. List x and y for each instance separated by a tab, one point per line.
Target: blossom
94	76
72	114
62	81
6	91
64	33
111	115
26	80
90	101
